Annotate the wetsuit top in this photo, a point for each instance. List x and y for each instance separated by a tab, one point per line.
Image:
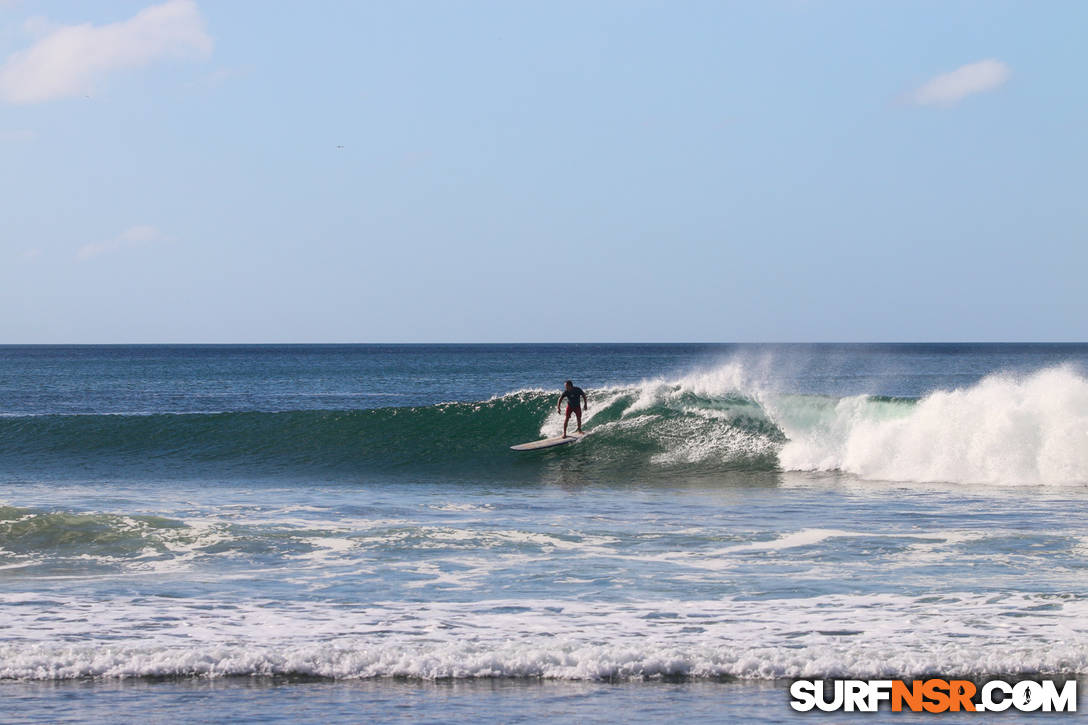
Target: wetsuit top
574	397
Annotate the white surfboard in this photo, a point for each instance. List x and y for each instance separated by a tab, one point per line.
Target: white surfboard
549	442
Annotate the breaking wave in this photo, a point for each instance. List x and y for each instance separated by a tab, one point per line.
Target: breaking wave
857	636
1005	429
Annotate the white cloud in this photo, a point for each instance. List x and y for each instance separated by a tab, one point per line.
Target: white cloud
967	80
69	59
137	236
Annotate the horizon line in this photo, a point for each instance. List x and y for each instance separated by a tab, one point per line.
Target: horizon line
546	342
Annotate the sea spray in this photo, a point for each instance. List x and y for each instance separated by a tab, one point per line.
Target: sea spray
1003	429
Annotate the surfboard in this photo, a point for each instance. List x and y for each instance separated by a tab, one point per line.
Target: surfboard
549	442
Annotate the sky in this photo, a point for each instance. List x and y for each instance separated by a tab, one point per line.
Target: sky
610	171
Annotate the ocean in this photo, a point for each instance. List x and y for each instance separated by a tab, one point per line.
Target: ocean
341	532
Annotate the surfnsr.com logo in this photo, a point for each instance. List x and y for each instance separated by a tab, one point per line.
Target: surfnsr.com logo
934	695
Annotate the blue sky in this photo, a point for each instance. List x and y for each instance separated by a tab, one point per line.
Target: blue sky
610	171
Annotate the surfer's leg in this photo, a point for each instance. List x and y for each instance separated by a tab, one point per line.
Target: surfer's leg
579	414
566	422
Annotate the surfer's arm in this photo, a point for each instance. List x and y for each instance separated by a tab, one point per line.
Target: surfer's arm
585	400
559	404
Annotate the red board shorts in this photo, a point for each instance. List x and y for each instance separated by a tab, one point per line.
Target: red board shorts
573	409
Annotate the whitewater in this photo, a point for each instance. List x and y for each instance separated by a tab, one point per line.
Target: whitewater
1004	429
351	517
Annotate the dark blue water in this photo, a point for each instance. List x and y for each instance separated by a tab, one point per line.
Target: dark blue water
130	379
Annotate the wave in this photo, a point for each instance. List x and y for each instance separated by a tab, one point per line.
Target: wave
469	438
877	635
1005	429
47	542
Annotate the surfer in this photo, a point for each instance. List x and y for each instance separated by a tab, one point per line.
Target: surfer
574	396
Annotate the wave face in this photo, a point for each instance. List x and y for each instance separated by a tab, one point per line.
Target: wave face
634	431
1002	430
381	438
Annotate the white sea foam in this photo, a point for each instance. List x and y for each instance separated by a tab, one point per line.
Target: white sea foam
861	636
461	507
806	537
1005	429
708	438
